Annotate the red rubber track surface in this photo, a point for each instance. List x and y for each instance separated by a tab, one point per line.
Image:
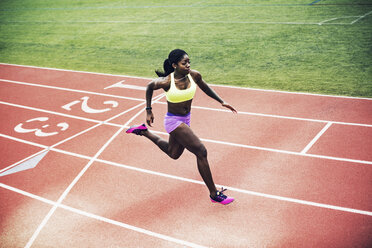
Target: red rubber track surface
298	165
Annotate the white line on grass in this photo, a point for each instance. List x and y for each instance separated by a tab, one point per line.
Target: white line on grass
180	22
336	18
312	142
77	178
217	85
361	17
103	219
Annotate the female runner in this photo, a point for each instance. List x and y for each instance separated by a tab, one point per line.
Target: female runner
179	83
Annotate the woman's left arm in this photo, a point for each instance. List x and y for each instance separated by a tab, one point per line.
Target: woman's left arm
209	91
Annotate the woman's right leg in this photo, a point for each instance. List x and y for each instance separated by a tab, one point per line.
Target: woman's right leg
171	147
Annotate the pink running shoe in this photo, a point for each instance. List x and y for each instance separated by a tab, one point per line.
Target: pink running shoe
221	198
137	129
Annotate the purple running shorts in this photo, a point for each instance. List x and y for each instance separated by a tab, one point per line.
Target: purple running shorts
172	121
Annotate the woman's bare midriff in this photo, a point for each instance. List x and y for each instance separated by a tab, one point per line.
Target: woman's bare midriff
181	108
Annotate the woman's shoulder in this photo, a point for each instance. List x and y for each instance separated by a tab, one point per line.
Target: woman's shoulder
195	75
161	82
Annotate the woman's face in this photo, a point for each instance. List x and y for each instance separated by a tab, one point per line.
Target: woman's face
183	65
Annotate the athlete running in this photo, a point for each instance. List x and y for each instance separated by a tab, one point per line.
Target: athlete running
179	83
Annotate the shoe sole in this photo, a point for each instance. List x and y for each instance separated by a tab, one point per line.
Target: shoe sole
132	129
223	202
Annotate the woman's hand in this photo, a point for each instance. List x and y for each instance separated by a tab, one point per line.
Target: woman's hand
226	105
149	117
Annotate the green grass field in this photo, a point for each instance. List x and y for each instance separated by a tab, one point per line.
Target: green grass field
268	44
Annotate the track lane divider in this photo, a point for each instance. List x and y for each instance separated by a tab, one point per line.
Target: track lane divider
71	90
276	197
196	107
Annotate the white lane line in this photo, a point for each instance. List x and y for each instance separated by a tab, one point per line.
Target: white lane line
217	85
106	122
303	202
49	112
279	116
103	219
315	139
248	192
234	145
70	90
22	141
289	92
77	178
360	17
286	152
196	107
230	188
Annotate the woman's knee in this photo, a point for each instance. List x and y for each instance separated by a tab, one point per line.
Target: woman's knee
175	156
201	151
176	152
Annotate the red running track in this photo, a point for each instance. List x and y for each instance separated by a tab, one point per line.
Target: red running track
299	166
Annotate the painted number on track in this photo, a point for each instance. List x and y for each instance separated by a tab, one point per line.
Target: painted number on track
87	109
39	131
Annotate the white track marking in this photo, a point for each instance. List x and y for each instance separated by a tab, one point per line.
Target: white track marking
23	160
312	142
196	107
71	90
281	198
71	137
125	86
289	92
279	116
286	152
217	85
58	204
248	192
22	141
50	112
361	17
103	219
48	148
67	139
234	145
303	202
77	178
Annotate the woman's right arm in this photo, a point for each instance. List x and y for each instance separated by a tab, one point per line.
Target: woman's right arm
159	83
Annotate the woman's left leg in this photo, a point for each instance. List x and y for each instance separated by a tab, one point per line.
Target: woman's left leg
186	137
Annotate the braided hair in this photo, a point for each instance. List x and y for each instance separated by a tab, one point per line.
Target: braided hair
174	57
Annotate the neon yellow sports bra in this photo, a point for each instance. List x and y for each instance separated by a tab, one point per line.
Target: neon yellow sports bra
175	95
